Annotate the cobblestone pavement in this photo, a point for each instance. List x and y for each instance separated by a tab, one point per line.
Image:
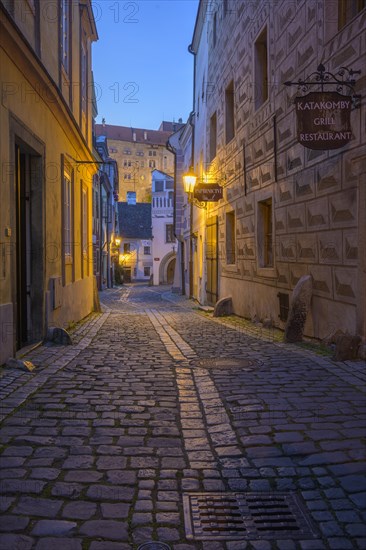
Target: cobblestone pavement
155	402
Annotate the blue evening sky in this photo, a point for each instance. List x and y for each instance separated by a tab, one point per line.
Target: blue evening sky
143	71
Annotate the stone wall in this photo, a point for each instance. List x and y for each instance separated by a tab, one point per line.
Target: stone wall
318	220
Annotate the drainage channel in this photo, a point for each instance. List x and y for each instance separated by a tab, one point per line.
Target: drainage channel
246	516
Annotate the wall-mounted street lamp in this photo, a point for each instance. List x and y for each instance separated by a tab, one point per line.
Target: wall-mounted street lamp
189	182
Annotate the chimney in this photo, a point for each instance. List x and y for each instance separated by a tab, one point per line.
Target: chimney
145	135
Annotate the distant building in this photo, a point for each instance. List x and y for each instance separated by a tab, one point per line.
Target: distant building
138	152
164	241
105	215
47	167
135	255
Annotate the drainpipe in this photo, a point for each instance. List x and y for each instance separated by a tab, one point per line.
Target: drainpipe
191	122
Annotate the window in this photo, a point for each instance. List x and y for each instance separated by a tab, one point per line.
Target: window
126	248
230	237
152	153
67	215
159	186
214	30
229	112
84	218
213	136
127	152
65	34
147	271
264	234
147	250
347	10
261	69
84	77
169	184
151	163
169	233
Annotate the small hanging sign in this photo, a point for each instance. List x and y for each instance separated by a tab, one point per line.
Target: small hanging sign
208	192
323	120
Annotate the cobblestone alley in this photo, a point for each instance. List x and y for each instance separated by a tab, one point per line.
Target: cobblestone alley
162	424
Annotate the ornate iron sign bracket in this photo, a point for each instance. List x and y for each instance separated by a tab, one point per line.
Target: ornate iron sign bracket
342	81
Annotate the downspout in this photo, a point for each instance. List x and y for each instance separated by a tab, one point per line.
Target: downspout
191	122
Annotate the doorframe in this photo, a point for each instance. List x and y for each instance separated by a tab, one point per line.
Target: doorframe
215	222
29	144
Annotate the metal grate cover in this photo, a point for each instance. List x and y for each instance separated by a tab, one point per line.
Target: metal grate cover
227	363
228	516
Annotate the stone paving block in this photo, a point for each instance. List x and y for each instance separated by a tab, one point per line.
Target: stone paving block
56	528
118	511
15	542
107	492
79	510
13	523
32	506
353	484
58	543
107	529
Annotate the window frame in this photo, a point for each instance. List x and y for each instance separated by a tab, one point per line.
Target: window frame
169	233
261	69
229	112
230	234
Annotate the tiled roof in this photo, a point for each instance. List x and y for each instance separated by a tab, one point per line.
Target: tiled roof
126	133
135	220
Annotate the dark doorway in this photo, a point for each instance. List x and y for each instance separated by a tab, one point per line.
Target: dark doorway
126	274
212	260
170	272
29	289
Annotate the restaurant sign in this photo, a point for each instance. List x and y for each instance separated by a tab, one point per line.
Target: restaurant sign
208	192
323	120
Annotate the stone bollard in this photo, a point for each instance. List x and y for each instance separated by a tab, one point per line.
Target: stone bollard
300	305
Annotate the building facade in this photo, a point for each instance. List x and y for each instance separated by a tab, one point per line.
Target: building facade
138	152
105	216
164	246
287	210
135	249
47	167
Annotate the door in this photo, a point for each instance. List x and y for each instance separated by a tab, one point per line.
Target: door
23	248
170	272
212	260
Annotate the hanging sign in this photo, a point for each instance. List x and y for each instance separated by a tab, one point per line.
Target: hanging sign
208	192
323	120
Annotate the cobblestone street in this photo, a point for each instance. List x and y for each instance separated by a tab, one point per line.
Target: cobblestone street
155	405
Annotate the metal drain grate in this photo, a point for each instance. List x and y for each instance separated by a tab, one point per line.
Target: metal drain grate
228	516
227	363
